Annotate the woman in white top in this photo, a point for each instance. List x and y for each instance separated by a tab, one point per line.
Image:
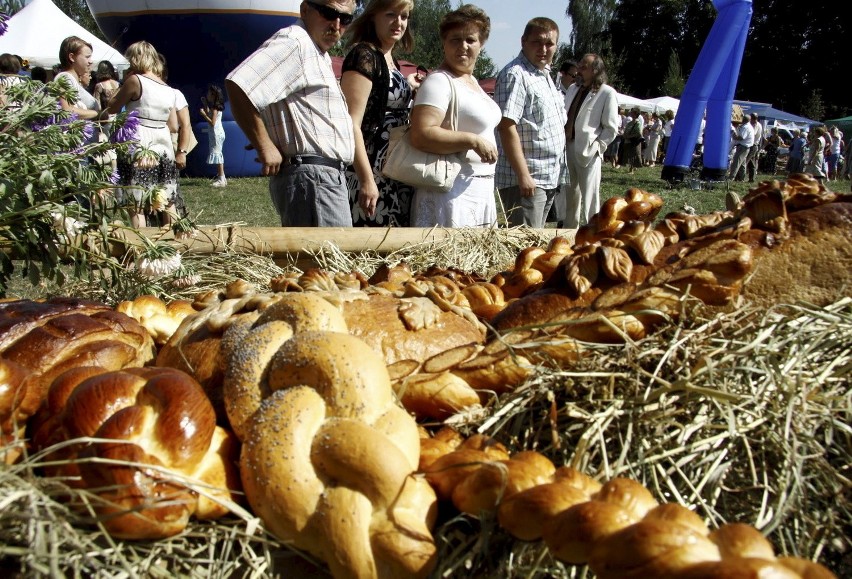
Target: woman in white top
75	58
470	203
149	178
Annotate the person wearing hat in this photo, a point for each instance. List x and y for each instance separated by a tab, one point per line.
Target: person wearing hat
743	141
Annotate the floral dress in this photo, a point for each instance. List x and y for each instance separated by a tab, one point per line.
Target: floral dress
394	204
152	110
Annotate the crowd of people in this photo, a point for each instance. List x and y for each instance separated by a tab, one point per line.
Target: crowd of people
820	151
323	143
539	142
147	174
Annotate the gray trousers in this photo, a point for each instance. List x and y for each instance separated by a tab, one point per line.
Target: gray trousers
530	211
311	196
739	161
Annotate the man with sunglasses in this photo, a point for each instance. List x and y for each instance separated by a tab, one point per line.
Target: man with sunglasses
288	103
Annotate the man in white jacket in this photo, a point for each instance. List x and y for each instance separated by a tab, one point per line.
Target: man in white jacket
592	125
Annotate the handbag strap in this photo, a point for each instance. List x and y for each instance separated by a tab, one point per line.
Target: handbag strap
453	107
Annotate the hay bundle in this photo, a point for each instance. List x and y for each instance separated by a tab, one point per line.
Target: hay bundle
743	416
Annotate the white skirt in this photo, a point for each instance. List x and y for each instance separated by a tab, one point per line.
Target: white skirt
470	203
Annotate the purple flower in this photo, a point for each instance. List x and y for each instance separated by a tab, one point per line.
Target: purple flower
114	177
88	131
3	19
65	121
41	125
128	130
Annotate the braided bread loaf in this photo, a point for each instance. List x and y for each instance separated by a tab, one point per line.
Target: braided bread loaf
622	264
617	528
168	461
409	329
41	340
328	456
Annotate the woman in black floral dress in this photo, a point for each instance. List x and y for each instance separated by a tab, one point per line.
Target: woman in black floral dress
379	97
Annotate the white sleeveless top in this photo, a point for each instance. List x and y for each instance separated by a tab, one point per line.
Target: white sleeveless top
84	99
154	104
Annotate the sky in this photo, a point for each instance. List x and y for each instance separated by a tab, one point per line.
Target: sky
508	18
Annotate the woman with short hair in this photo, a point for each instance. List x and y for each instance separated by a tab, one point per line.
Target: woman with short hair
470	202
75	60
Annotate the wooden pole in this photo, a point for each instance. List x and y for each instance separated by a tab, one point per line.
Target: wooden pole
281	242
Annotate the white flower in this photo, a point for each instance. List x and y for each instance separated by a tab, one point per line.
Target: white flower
159	199
156	267
68	225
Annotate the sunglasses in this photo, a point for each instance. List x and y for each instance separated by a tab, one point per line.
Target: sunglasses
331	14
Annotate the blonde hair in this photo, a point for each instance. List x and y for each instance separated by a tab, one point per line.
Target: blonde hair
143	57
363	28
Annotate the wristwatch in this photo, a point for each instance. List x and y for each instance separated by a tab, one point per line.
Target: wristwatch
184	151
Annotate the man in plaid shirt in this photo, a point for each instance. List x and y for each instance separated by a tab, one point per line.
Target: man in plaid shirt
531	135
287	101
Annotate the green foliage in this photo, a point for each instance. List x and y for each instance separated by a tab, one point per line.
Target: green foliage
11	6
43	175
674	82
814	108
425	20
485	67
590	20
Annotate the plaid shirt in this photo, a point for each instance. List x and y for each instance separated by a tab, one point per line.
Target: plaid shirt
527	96
292	85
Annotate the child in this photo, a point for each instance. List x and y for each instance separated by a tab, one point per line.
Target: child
214	104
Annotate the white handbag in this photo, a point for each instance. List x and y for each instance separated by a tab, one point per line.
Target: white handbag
409	165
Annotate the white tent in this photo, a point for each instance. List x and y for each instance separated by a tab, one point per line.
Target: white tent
629	102
38	29
664	103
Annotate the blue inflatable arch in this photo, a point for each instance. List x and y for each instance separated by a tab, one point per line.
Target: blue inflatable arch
710	87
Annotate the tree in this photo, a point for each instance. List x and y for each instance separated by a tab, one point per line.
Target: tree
428	49
673	83
793	49
10	7
813	107
79	12
645	34
590	20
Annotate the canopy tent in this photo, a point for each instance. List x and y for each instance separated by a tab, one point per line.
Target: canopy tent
38	29
663	104
628	102
844	124
766	112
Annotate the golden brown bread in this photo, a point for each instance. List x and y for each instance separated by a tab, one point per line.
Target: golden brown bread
328	455
168	461
159	318
407	329
435	395
618	528
47	338
403	330
18	402
812	265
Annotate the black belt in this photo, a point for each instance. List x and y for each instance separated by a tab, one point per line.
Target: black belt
315	160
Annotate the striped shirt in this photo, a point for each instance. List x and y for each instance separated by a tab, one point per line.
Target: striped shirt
292	85
527	96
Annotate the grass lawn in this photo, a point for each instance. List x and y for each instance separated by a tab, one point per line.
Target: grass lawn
247	200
